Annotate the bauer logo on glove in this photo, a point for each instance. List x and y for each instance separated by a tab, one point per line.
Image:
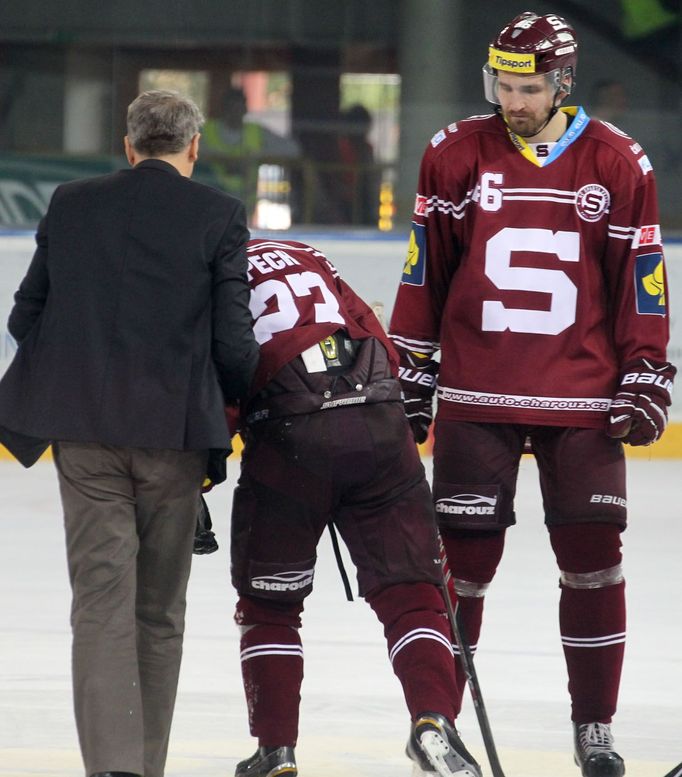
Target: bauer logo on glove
639	411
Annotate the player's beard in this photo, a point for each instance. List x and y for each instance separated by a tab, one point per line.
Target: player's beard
527	125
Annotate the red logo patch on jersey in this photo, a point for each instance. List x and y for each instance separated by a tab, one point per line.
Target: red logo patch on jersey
420	205
592	202
647	236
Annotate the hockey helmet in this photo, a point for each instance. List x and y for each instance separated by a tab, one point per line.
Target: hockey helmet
532	44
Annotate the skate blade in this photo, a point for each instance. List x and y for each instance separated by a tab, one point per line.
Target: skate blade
284	770
436	748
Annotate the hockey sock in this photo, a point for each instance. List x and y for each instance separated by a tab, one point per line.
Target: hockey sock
272	671
593	635
418	637
591	616
472	558
471	617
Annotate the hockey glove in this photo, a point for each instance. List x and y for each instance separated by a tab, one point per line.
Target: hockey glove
639	411
204	539
418	374
419	412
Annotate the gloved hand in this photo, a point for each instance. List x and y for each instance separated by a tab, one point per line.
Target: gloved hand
204	539
418	374
639	411
419	412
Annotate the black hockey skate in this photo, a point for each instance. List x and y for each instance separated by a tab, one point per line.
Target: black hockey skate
594	752
435	748
269	762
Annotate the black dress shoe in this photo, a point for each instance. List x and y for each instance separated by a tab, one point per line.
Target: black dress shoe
114	774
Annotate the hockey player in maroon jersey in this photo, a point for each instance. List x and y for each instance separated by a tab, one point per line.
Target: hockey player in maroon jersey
535	267
326	440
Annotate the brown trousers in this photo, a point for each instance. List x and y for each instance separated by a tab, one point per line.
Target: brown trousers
129	516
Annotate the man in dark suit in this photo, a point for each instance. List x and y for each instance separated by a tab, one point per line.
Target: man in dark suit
133	328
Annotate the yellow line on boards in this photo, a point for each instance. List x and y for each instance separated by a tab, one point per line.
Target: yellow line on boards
668	447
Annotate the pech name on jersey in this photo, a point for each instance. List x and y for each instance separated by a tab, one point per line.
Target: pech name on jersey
269	261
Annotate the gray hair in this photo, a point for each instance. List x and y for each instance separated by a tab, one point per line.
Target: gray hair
162	122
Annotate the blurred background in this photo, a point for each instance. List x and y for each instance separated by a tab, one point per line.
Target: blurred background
318	111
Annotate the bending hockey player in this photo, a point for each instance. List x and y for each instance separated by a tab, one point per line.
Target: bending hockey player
326	439
536	268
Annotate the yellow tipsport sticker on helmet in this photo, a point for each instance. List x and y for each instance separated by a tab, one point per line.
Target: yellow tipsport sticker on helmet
511	62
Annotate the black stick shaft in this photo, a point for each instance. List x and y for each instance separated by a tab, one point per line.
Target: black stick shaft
472	681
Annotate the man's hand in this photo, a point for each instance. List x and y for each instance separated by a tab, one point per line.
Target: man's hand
639	411
418	374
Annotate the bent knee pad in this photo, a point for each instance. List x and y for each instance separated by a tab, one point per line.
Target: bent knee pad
588	549
252	611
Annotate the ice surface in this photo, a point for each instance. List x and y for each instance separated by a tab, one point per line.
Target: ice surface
353	720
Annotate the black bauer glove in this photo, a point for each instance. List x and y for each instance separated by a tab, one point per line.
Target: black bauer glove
418	373
639	411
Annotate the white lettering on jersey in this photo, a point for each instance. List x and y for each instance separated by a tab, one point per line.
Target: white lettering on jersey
490	197
270	260
564	293
284	293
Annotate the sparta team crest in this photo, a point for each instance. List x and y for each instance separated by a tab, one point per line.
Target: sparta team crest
592	201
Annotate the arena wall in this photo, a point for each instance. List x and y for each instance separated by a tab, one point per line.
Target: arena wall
372	265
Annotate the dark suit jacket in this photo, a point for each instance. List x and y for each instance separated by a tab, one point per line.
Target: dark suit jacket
132	316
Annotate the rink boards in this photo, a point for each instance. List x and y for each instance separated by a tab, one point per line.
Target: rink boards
372	265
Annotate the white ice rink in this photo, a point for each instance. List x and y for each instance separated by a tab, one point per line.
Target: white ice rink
353	721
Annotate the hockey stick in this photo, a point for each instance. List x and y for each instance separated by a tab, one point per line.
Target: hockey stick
676	772
467	660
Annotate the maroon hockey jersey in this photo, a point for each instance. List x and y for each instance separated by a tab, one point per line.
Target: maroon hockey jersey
298	299
537	283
